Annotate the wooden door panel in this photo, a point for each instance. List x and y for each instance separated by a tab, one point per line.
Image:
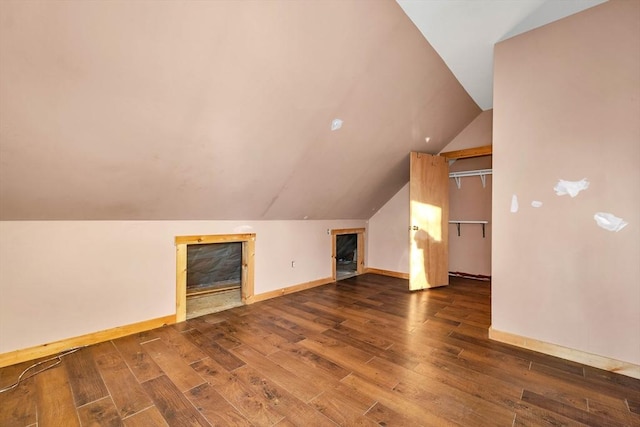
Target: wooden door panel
429	210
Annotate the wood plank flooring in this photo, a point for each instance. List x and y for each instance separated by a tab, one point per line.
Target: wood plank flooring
362	352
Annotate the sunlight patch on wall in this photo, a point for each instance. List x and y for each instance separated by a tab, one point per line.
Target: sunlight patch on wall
429	218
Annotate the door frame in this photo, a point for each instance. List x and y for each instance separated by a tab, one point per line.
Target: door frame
248	259
360	247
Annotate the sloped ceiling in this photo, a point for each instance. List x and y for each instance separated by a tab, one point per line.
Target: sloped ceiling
146	110
222	109
463	32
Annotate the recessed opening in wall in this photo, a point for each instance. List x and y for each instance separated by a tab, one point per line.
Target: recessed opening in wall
213	273
347	253
214	277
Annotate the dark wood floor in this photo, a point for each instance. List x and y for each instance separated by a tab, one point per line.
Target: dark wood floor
364	351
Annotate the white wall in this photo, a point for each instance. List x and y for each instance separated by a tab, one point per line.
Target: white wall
388	235
61	279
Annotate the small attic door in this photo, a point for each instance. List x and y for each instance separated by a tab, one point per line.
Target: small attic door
347	252
213	273
214	277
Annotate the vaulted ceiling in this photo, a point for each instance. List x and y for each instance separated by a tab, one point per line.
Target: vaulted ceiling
145	110
463	32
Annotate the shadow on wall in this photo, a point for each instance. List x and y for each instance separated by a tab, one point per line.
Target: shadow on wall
423	242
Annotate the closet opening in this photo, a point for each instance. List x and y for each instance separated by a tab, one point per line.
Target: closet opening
347	253
470	215
214	273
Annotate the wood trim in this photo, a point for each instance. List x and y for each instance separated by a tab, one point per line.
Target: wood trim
389	273
181	282
248	268
213	238
360	247
334	244
292	289
213	290
360	253
18	356
347	231
469	152
600	362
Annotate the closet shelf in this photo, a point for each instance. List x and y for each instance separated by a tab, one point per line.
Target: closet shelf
458	222
482	173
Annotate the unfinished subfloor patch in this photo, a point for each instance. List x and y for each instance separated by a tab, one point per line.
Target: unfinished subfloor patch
199	305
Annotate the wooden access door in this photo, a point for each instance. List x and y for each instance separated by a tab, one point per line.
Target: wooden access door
429	226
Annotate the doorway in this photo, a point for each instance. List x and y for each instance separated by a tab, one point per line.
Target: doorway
347	253
213	273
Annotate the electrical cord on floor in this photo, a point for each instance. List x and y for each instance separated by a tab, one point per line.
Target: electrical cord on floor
58	360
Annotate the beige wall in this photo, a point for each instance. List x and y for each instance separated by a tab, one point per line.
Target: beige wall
567	106
477	134
388	235
61	279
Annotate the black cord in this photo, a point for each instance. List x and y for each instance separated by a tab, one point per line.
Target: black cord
58	360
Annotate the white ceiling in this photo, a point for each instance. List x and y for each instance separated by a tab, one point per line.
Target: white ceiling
463	32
